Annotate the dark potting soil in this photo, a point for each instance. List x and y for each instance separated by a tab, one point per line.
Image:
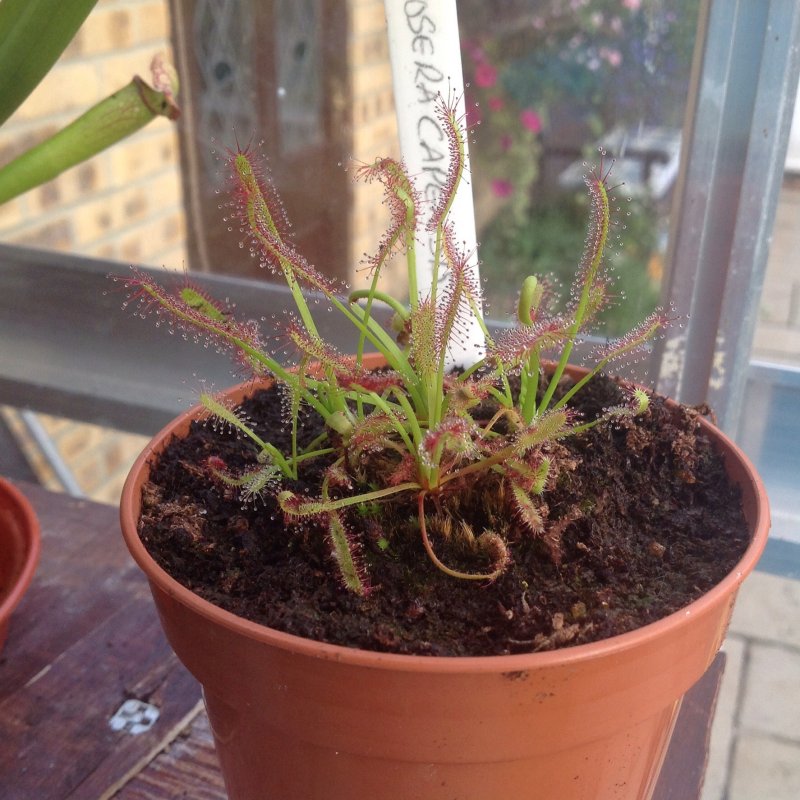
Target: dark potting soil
647	519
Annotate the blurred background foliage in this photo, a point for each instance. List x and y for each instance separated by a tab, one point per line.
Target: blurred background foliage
547	81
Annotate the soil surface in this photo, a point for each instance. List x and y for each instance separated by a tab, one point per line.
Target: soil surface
647	520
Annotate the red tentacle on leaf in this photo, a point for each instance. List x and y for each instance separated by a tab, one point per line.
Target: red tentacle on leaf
402	199
455	133
462	292
515	346
188	310
263	221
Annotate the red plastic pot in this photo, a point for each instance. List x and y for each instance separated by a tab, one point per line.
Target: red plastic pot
295	719
19	551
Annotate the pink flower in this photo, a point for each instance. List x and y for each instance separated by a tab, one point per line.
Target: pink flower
632	5
502	188
474	49
496	103
613	57
531	120
505	142
485	75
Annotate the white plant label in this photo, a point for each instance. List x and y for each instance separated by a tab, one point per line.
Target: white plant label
426	62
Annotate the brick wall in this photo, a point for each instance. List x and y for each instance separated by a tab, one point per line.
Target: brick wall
374	133
125	203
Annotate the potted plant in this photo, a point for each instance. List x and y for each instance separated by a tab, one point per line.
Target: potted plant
19	551
397	580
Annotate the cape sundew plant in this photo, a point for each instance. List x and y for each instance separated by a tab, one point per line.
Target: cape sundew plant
415	432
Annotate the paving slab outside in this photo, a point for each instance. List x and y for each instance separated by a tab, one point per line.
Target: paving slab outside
755	739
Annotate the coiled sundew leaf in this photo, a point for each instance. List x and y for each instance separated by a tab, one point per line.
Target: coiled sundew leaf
251	484
402	199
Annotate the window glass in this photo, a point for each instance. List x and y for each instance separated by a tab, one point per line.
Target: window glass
298	74
769	425
555	81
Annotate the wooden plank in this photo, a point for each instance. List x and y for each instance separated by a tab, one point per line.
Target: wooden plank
187	768
57	742
91	633
84	576
687	757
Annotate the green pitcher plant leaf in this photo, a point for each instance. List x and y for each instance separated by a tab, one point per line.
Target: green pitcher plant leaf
33	34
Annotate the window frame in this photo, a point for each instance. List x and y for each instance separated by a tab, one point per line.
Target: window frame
739	114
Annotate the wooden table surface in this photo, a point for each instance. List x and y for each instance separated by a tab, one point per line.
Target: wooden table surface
86	638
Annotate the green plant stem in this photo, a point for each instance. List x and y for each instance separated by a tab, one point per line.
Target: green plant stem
594	266
365	294
385	344
105	124
309	454
358	499
376	335
505	400
436	387
309	448
367	315
396	424
222	412
479	466
411	268
530	383
411	416
580	384
370	295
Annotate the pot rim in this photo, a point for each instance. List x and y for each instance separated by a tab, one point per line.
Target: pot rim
129	516
22	509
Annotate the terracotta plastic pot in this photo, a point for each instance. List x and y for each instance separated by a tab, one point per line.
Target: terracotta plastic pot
296	719
19	551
